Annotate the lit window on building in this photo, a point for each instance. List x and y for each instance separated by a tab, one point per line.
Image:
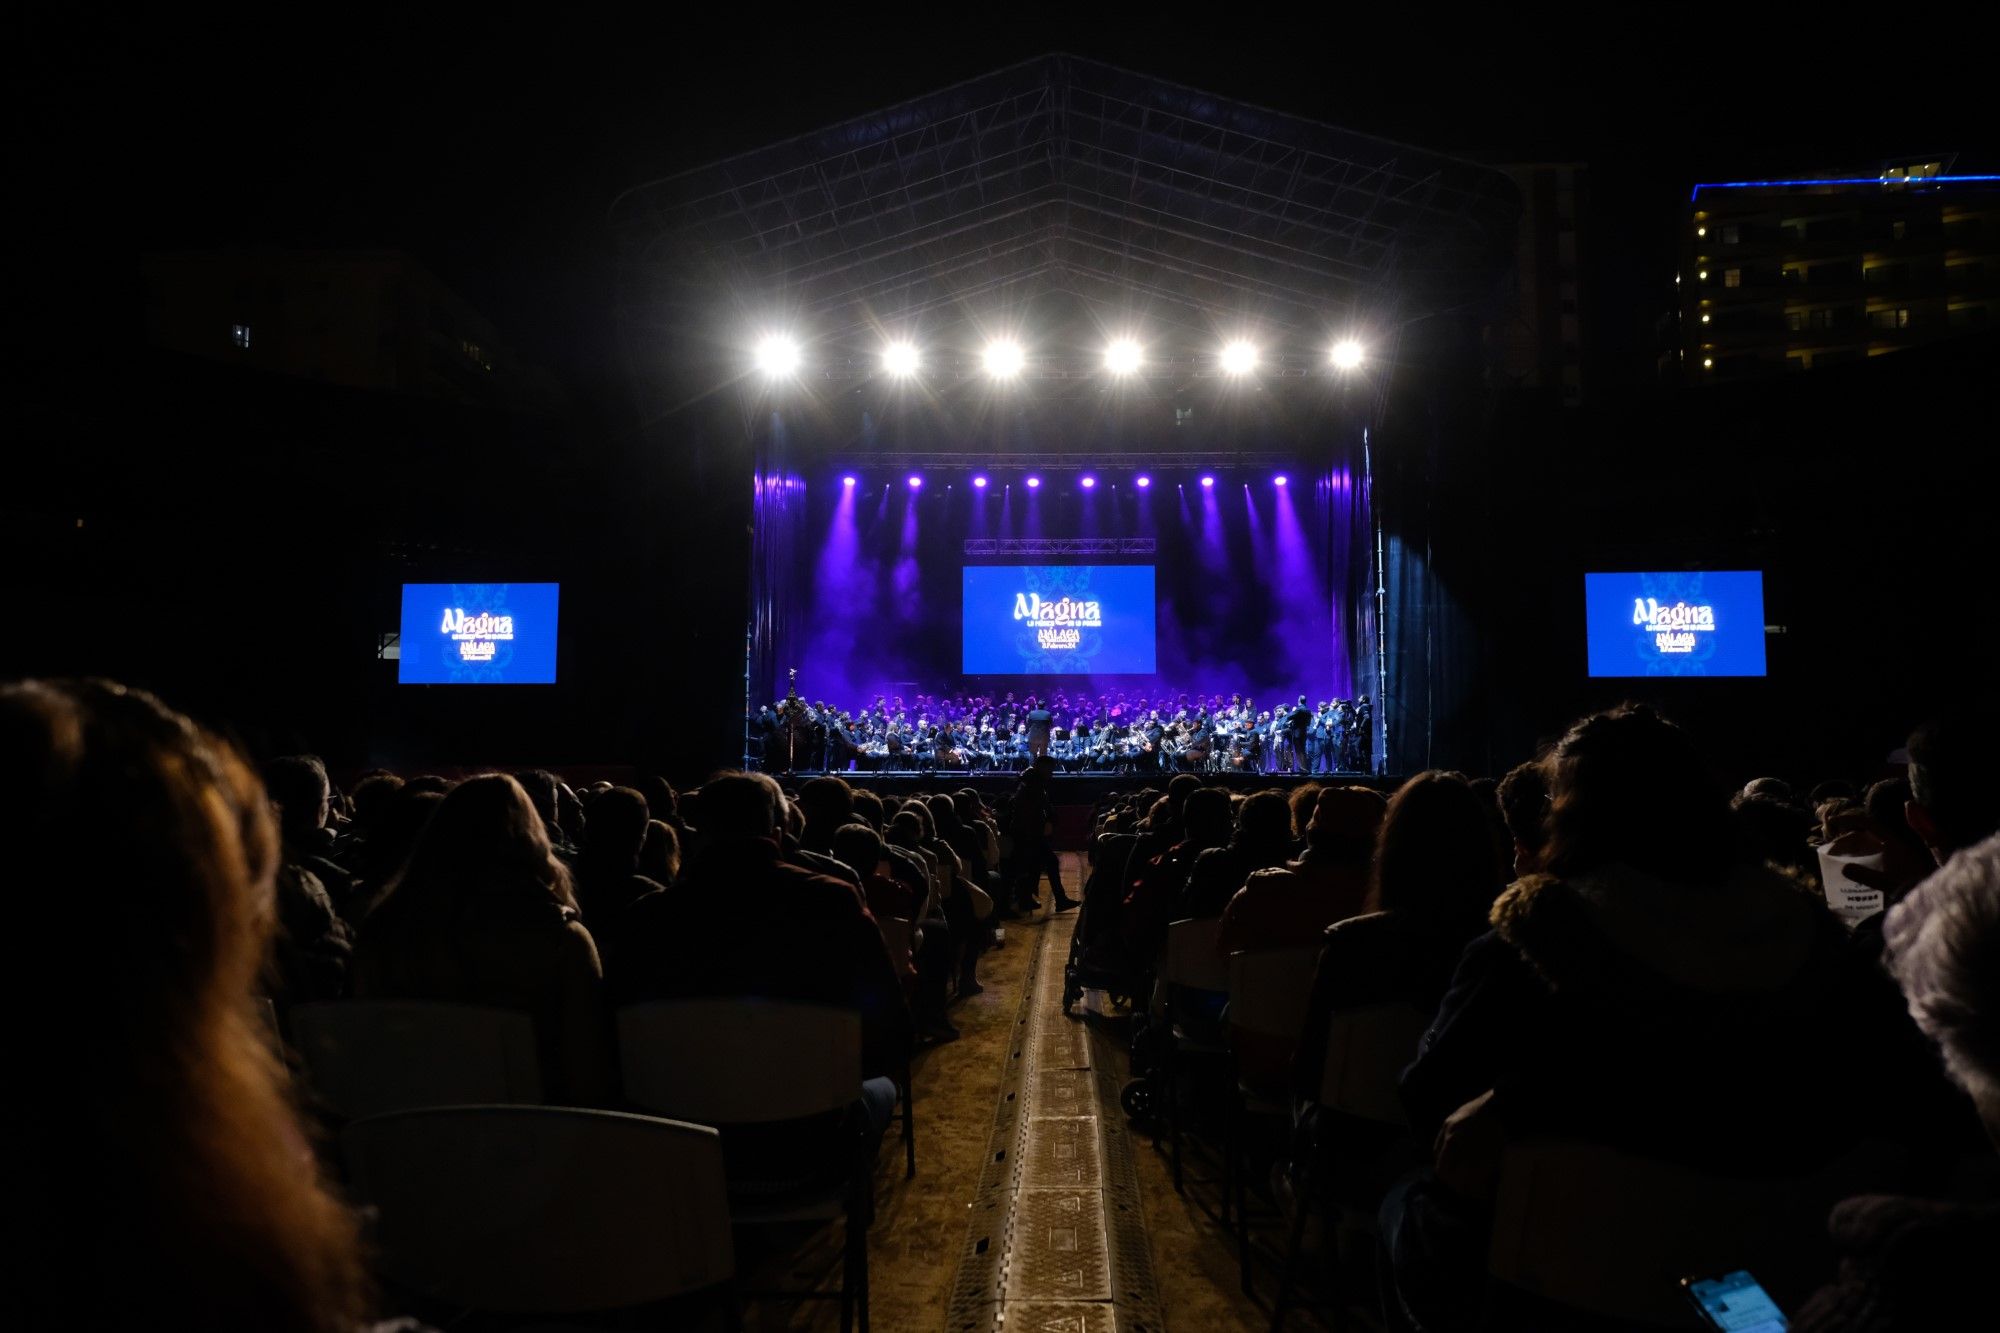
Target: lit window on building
1900	230
1795	320
239	334
1819	319
1732	277
1889	319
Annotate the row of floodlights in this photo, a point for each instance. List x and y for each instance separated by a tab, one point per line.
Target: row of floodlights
779	355
1088	481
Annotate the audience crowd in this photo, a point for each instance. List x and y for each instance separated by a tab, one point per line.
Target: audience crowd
1606	944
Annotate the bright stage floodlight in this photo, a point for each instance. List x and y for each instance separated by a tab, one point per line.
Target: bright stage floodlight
980	481
900	359
1142	481
1208	481
1278	480
1034	482
849	479
1346	354
915	482
1004	358
1086	481
777	356
1239	358
1122	357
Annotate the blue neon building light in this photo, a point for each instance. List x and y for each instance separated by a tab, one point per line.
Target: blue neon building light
1842	180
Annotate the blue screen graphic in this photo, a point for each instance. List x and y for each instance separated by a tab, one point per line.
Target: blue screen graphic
1049	620
1681	623
478	634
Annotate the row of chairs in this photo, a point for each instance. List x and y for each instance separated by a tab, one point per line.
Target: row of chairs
483	1199
1576	1225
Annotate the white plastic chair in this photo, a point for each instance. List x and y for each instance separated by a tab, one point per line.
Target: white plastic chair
1611	1234
1268	993
543	1210
366	1057
903	938
1367	1050
740	1061
1189	962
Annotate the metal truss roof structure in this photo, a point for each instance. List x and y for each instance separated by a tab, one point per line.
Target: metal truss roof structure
1134	195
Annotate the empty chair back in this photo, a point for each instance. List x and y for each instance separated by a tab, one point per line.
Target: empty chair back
739	1061
365	1057
1611	1234
1191	957
1268	990
539	1210
1367	1050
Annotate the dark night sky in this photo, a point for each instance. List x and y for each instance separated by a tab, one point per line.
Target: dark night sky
490	143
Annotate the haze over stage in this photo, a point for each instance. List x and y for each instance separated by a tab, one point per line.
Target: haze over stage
1243	587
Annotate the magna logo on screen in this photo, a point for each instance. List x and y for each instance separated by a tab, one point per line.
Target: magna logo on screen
476	635
1059	625
1674	628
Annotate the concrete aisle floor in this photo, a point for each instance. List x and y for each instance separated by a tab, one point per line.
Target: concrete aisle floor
921	1224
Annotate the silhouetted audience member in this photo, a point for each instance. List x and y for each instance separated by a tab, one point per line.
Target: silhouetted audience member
807	827
660	856
608	880
1910	1263
1290	906
1650	947
169	1179
1263	838
1433	883
313	943
663	801
742	921
541	785
1955	782
1153	898
483	913
382	857
1523	796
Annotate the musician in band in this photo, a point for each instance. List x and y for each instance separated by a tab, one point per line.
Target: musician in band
1107	734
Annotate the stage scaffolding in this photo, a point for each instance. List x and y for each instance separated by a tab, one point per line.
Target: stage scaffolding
1068	191
1068	174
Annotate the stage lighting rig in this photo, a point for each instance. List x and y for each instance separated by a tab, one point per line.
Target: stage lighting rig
1004	358
778	356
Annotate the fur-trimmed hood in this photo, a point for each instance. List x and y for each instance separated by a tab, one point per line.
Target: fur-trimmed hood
1755	931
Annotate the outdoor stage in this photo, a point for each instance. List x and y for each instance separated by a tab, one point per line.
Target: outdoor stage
909	601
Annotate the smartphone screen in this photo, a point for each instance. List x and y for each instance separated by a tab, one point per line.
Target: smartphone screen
1736	1303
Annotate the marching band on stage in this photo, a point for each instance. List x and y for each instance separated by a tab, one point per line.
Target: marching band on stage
1105	734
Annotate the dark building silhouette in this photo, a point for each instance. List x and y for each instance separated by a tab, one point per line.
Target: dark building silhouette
1796	275
363	319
